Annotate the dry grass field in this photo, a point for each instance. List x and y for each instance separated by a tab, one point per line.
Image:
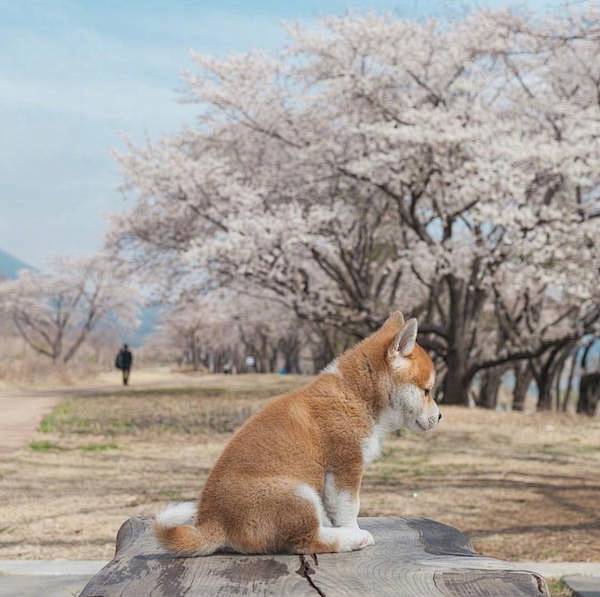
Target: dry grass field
522	486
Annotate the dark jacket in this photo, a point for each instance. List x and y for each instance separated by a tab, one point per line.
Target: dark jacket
124	359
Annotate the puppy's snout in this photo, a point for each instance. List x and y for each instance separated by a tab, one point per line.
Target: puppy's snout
440	417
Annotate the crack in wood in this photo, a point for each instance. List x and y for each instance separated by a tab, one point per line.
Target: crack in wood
541	584
306	570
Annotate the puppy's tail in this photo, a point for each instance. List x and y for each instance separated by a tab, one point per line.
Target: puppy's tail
175	530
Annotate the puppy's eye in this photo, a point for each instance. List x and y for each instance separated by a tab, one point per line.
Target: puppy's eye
427	391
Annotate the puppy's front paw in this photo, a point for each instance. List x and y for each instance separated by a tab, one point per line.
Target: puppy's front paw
347	539
367	539
361	539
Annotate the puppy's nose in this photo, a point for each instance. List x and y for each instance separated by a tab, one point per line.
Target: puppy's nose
440	417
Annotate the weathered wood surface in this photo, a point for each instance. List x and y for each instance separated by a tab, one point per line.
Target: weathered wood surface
411	557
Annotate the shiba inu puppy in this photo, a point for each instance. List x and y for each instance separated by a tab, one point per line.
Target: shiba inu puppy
289	479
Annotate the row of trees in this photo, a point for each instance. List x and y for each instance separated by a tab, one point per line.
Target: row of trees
451	170
219	330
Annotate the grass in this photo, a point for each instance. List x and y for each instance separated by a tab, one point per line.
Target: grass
44	446
172	496
522	487
187	410
558	588
53	421
100	447
49	446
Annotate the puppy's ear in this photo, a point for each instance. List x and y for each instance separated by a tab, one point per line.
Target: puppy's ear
394	321
405	340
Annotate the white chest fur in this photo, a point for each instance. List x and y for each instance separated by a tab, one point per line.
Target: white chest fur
373	444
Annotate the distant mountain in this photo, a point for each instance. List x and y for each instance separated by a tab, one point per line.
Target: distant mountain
10	265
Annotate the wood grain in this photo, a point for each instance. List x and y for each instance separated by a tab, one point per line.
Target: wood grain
411	557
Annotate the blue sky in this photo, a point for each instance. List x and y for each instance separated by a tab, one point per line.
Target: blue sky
77	76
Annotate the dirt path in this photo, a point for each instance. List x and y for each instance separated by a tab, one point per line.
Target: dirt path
20	414
21	410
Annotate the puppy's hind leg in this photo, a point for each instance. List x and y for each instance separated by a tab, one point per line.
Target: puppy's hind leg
285	515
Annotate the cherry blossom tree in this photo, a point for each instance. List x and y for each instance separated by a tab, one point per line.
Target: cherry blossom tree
55	312
449	169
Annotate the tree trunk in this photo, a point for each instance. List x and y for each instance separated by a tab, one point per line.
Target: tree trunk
194	351
292	362
523	379
273	360
490	387
548	400
589	394
569	405
456	388
544	387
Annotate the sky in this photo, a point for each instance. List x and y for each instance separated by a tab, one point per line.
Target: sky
76	78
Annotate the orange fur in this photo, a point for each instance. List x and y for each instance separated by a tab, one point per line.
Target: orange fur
255	498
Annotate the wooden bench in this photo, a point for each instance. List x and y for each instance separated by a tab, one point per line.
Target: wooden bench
411	557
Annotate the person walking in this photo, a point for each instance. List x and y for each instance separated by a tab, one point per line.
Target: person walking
123	362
